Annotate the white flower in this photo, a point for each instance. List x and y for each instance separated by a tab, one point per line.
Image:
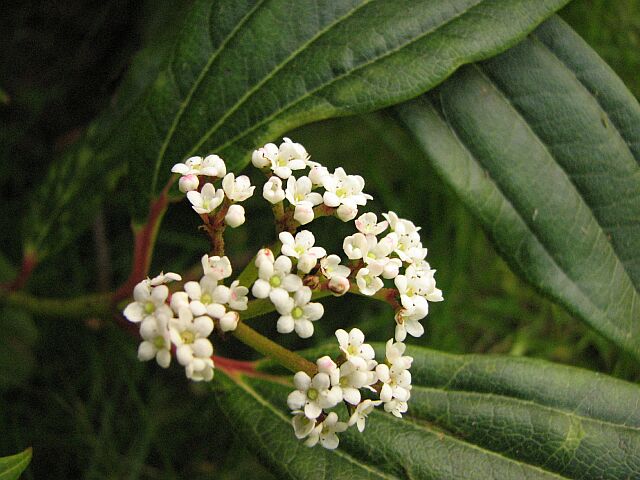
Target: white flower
156	341
355	246
331	267
235	216
216	267
313	395
282	160
395	378
211	166
206	200
325	432
299	194
396	407
343	189
207	297
408	321
353	347
275	280
165	278
261	157
298	313
193	349
302	426
149	302
238	296
361	412
301	247
368	279
188	183
191	166
272	190
237	189
368	224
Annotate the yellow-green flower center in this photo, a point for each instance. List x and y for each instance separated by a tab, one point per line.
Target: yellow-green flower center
187	337
205	298
275	281
312	393
297	313
159	342
149	308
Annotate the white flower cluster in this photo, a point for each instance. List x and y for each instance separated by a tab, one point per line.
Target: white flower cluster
314	397
384	259
207	199
185	321
341	191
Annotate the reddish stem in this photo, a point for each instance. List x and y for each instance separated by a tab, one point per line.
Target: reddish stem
143	245
29	262
234	367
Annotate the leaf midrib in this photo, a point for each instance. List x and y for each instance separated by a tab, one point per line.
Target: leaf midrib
248	389
185	103
551	157
337	78
523	402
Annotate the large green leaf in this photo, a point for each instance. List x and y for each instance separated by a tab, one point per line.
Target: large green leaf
470	417
11	467
543	145
242	72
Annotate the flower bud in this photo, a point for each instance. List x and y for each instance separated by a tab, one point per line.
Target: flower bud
229	321
317	174
339	285
259	159
303	213
188	183
346	212
272	190
235	216
306	262
264	255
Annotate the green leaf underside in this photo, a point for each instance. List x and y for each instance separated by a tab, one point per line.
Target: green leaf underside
242	73
11	467
543	145
470	417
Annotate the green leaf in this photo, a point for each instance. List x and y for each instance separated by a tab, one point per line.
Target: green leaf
241	73
470	416
11	467
542	144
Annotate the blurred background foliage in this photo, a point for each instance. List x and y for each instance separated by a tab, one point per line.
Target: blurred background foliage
78	394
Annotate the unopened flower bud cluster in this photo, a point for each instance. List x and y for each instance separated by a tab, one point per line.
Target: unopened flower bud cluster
385	259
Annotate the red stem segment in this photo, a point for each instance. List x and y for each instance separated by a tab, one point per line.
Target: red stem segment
144	242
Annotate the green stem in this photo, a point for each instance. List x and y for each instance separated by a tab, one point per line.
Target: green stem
271	349
80	307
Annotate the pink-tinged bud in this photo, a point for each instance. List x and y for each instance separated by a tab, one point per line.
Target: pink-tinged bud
317	174
325	364
264	255
235	216
346	213
188	183
339	285
229	321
